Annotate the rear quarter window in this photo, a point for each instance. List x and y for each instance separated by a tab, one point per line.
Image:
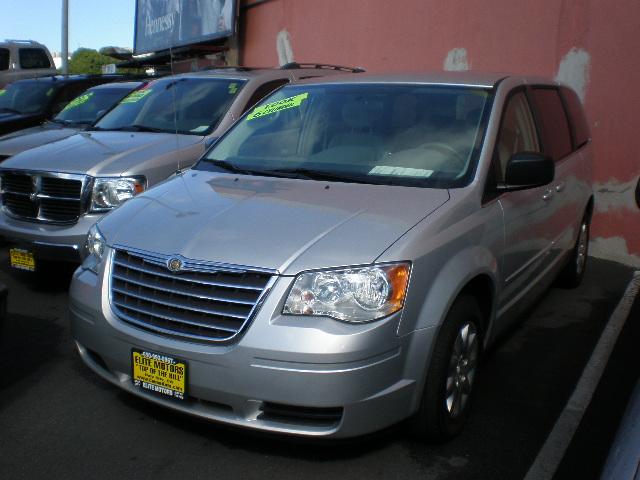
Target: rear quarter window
577	118
4	59
31	58
553	123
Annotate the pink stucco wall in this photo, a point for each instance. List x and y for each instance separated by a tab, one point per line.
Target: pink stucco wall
595	40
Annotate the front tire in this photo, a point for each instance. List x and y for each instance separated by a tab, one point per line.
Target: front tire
451	374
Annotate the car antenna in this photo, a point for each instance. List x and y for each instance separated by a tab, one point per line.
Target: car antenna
175	114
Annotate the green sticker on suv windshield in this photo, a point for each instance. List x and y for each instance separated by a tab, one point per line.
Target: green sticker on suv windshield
233	88
76	102
273	107
2	92
50	92
136	96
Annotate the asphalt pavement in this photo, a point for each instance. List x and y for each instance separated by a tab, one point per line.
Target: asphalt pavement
59	420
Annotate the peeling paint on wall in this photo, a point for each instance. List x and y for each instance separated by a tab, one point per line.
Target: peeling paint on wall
614	195
613	248
574	71
283	46
456	60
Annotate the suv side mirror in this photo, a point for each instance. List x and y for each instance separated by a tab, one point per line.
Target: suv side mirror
527	170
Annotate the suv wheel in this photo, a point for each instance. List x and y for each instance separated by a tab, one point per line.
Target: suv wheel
573	272
451	374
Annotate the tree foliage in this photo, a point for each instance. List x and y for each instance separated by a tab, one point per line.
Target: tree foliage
86	60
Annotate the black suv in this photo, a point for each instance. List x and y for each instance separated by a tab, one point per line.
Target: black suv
27	103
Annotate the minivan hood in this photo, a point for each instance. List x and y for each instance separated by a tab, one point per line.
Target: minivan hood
100	153
287	225
16	142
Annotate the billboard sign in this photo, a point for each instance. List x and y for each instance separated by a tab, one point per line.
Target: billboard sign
164	24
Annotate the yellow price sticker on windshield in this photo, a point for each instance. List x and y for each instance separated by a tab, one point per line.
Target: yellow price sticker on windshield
136	96
76	102
273	107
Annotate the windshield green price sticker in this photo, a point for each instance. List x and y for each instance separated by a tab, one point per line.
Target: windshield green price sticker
2	92
273	107
76	102
50	92
233	88
136	96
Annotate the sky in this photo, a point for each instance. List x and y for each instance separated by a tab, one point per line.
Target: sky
92	23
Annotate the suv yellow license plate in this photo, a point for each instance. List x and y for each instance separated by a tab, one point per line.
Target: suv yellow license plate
22	259
159	373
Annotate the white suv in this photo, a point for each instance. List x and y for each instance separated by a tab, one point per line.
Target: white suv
24	59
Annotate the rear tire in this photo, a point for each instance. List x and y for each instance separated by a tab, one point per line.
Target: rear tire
451	374
573	273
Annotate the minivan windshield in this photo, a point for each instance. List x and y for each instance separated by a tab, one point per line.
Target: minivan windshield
86	108
397	134
192	106
31	96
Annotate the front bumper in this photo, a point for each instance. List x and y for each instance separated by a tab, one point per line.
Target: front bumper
286	374
49	241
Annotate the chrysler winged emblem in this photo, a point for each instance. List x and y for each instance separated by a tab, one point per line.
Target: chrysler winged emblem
174	264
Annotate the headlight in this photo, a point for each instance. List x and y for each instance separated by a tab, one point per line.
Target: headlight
358	294
96	246
109	193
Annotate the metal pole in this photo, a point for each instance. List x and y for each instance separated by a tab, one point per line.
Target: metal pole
65	37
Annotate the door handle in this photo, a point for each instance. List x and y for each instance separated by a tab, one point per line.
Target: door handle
560	187
547	195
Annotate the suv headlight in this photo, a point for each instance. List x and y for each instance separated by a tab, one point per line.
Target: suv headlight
358	294
109	193
96	247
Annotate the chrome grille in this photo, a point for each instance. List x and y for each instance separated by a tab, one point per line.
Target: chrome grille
45	197
201	302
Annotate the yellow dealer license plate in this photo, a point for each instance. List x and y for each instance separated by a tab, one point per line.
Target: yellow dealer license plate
159	373
22	259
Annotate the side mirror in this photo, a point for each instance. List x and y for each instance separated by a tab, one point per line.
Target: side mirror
527	170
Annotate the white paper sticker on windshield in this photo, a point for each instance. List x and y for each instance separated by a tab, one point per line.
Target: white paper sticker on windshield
400	171
201	128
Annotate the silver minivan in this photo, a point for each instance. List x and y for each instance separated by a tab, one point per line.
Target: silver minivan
340	259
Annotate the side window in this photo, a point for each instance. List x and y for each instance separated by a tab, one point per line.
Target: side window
33	58
4	59
66	94
556	136
517	133
578	121
264	90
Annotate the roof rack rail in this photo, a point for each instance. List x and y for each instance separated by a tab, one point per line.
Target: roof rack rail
237	68
25	42
296	65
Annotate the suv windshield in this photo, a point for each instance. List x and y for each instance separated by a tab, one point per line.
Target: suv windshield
413	135
25	97
185	105
87	107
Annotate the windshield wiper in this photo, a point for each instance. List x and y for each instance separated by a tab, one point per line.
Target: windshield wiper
312	174
230	167
144	128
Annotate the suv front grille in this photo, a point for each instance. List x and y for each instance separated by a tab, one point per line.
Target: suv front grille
42	196
202	302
